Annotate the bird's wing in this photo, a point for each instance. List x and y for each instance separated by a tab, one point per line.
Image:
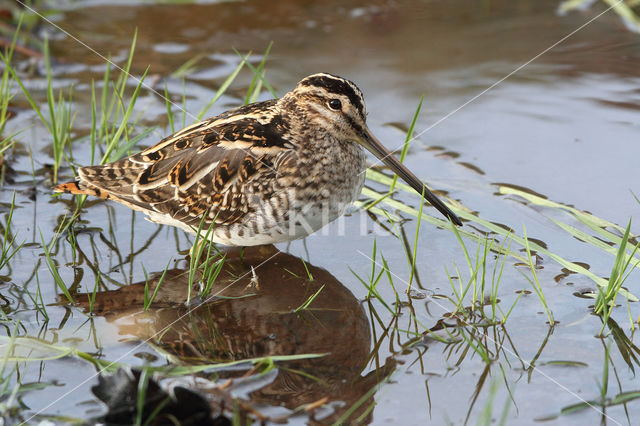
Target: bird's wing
212	166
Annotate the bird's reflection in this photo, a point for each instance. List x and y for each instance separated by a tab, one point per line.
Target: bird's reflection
253	314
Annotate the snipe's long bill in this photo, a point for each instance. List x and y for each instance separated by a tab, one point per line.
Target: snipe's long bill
263	173
374	146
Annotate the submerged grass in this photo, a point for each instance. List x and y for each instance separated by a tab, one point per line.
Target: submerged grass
497	230
487	416
535	282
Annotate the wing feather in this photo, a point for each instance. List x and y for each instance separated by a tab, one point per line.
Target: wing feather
211	167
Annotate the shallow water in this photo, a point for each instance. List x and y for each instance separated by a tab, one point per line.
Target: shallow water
564	126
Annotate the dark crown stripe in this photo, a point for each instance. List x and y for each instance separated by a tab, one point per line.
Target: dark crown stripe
338	86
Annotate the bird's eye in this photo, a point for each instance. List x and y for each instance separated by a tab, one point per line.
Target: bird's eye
335	104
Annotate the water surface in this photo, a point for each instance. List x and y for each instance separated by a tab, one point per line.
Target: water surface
564	126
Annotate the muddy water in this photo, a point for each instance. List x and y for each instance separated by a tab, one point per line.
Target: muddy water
564	126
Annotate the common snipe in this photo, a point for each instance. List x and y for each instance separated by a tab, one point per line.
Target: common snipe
263	173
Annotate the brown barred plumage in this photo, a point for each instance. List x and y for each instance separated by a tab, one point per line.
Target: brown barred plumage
263	173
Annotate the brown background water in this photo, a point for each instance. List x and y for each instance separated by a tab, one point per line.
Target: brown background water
565	126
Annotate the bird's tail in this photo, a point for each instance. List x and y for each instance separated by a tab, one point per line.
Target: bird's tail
80	188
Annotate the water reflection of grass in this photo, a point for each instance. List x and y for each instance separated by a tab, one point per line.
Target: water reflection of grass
461	338
604	401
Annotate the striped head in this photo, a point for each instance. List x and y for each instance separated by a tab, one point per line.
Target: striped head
336	105
332	103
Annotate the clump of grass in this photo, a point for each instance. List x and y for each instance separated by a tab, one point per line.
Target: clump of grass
53	268
205	263
92	296
372	283
111	134
602	240
59	119
259	80
252	93
221	91
308	302
197	252
606	298
412	254
8	246
211	268
482	292
599	225
148	300
181	72
37	300
6	94
114	109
